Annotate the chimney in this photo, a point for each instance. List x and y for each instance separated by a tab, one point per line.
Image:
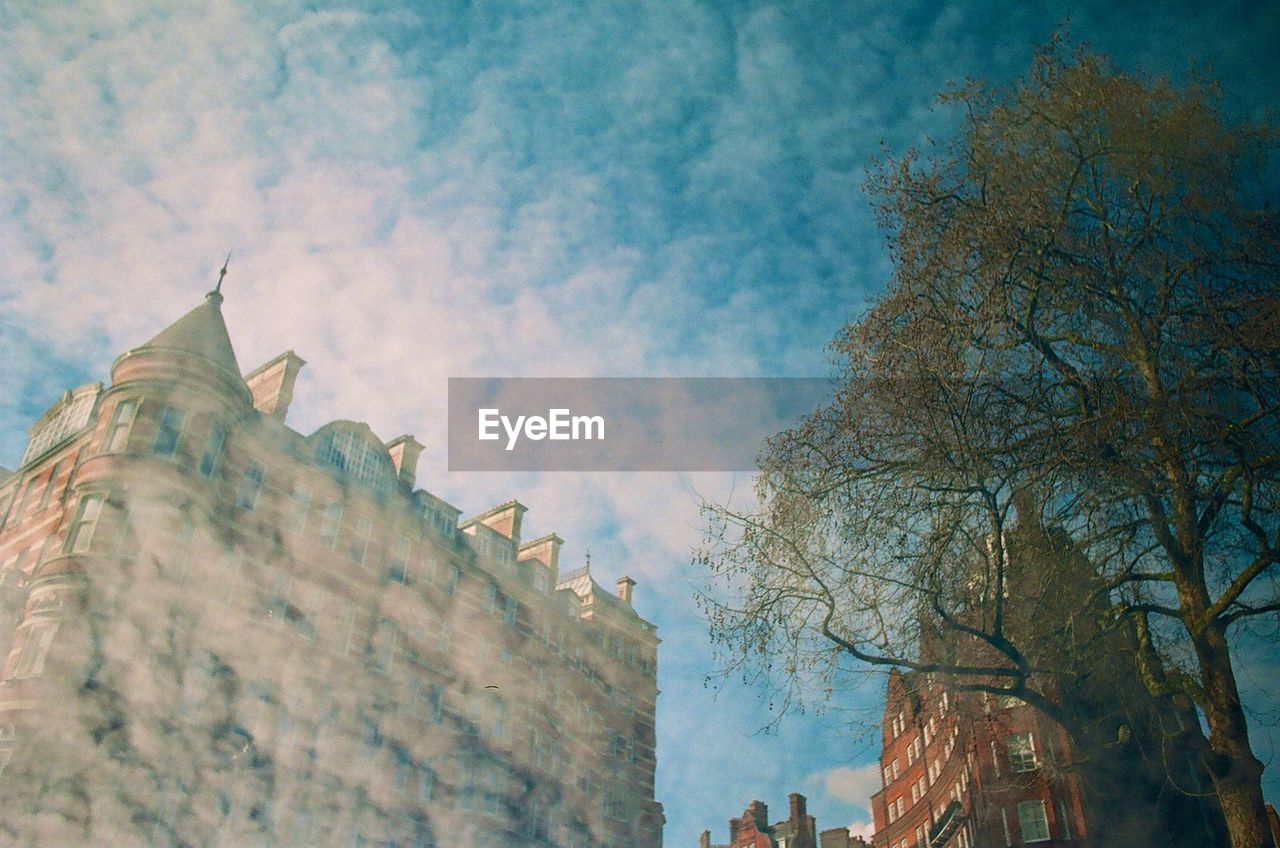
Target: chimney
505	520
733	831
759	812
704	841
798	811
625	587
271	385
405	451
545	550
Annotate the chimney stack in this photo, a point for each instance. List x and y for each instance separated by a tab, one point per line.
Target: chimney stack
271	385
625	587
798	811
505	520
405	451
546	551
759	811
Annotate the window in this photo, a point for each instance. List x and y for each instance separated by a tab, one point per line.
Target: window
168	431
498	723
345	631
121	424
404	767
894	765
8	743
21	505
48	486
34	650
1022	752
384	645
1062	820
213	452
300	508
1004	824
398	566
509	612
1032	822
911	753
435	700
278	607
995	758
888	775
360	540
80	536
330	521
250	486
426	782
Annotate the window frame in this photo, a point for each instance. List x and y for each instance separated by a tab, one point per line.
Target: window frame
168	435
119	431
1041	821
77	529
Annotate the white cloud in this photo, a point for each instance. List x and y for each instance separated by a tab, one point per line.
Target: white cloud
853	785
863	829
652	189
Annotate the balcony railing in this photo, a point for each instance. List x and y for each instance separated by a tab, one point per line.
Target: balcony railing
950	821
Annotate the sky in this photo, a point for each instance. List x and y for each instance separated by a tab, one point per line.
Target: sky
417	191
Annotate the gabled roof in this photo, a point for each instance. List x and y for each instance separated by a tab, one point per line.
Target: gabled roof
201	332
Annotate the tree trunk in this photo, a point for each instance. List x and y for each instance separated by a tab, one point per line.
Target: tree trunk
1236	772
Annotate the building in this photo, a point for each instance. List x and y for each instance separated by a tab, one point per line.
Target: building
970	769
219	631
752	828
839	837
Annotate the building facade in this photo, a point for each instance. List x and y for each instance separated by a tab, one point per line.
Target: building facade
970	770
217	631
753	830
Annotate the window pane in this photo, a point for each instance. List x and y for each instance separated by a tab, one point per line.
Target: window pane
81	534
168	430
1032	821
213	453
1022	753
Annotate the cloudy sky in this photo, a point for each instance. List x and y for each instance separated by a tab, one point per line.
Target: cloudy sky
413	191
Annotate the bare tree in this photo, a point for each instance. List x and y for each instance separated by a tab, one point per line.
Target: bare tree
1081	345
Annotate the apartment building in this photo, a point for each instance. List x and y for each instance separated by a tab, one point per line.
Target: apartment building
218	631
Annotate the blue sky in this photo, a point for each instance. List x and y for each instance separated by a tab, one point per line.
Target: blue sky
418	191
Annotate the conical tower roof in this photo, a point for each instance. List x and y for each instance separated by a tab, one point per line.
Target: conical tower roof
201	332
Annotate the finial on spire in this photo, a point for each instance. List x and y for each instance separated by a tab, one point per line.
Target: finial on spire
588	559
218	288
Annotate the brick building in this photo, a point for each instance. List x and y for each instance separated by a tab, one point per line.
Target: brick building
218	631
752	828
970	770
963	769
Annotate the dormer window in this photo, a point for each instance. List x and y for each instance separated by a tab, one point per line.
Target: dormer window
351	449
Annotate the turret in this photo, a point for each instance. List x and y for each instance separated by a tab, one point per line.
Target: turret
195	351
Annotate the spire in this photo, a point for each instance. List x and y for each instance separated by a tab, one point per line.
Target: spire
201	332
217	290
